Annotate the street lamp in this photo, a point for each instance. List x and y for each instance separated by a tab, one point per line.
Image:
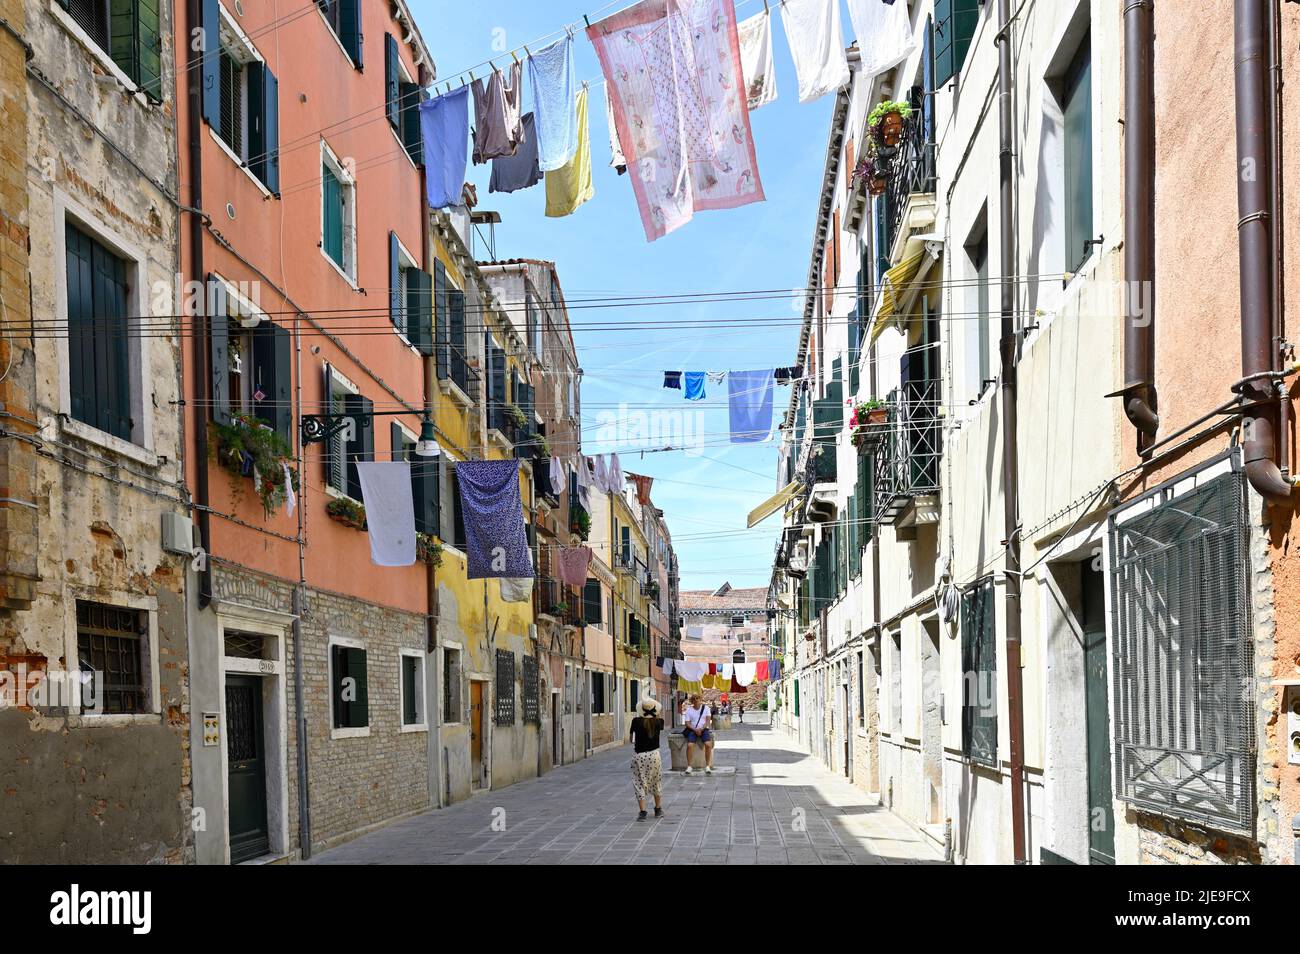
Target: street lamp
319	428
427	445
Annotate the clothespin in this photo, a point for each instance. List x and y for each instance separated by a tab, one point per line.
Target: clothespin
513	57
586	21
766	9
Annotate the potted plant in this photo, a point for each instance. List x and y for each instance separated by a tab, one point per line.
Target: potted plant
580	523
428	550
559	609
516	415
248	448
872	170
885	122
868	422
347	511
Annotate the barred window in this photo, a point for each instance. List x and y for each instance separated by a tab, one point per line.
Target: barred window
1182	656
451	685
112	644
979	671
529	679
505	713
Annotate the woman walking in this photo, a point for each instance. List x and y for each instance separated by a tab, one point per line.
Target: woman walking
647	766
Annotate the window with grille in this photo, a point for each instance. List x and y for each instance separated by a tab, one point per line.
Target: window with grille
979	672
1182	657
112	643
505	698
532	715
451	685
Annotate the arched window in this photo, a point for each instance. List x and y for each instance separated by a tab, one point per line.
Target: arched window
738	656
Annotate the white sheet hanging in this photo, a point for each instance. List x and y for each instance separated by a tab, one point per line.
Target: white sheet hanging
883	32
812	28
756	59
390	511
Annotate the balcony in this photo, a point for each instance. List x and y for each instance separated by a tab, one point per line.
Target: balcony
906	462
542	487
454	368
554	600
909	201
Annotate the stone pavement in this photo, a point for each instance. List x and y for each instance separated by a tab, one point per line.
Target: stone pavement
780	806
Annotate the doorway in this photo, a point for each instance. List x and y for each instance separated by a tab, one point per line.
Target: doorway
246	768
846	707
555	727
931	723
1101	806
476	733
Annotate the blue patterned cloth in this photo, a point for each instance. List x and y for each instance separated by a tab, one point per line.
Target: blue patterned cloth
750	405
496	543
694	385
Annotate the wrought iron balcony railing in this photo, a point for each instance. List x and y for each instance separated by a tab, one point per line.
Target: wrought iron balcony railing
906	462
911	168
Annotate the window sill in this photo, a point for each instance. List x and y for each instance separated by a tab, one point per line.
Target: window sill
88	719
334	36
361	732
415	728
451	725
332	491
401	145
452	389
66	21
141	455
335	265
225	147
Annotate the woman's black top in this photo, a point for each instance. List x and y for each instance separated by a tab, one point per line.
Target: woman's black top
645	741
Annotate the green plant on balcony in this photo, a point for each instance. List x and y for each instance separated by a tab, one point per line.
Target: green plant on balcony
885	122
580	522
559	609
428	550
874	171
346	511
516	415
247	448
868	422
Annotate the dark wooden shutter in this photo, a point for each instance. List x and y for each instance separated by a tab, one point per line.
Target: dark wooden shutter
212	63
456	329
441	320
396	306
282	380
135	42
497	391
954	25
81	324
458	513
412	135
591	601
219	339
426	492
350	663
332	214
359	711
99	374
350	30
625	545
398	441
264	126
409	671
362	445
419	310
392	105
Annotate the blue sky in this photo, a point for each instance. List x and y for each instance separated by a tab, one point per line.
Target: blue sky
602	250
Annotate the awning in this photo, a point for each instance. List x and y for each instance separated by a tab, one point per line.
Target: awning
896	284
774	503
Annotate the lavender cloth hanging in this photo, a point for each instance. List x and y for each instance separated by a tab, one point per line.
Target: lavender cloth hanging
444	128
496	543
750	405
390	511
572	564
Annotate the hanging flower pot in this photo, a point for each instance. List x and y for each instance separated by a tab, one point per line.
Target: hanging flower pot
886	121
876	185
891	129
869	423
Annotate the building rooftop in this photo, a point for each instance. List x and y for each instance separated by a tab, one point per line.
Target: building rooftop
725	598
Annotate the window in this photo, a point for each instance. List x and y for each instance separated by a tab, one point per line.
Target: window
344	18
450	348
737	622
402	100
112	643
99	335
1184	670
634	695
412	673
979	342
410	297
349	690
347	447
597	693
896	682
451	686
862	692
979	674
453	519
505	689
1076	105
338	215
954	25
529	683
252	368
129	32
591	602
241	98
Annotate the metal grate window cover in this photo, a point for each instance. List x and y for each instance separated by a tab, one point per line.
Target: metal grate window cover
505	687
979	665
531	713
1182	656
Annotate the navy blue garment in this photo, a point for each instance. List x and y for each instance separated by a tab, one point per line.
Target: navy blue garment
496	543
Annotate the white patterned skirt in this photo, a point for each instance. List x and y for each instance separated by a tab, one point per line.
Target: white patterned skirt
647	774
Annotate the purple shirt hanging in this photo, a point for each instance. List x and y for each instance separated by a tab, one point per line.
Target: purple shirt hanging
496	542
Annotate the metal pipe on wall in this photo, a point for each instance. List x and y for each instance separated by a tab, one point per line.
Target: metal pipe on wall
1139	393
1255	230
1009	348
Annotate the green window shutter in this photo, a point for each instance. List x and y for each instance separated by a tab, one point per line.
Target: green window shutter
362	445
212	63
456	325
273	376
625	545
349	663
1078	156
332	215
398	441
591	601
409	668
396	300
359	711
135	42
219	338
392	105
350	30
458	514
955	22
412	136
81	326
851	522
441	320
426	492
99	375
264	126
796	698
419	310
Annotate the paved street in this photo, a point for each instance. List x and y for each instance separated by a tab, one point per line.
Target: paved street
777	807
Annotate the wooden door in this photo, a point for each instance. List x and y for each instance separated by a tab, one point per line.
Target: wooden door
476	732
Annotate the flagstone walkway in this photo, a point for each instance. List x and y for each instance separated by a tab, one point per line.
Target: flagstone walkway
779	806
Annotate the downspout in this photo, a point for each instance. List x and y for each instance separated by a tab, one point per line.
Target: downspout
1139	220
1009	346
200	338
1277	204
1259	347
434	748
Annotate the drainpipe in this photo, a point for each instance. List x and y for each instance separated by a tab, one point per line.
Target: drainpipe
1259	347
200	338
1009	346
1139	219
